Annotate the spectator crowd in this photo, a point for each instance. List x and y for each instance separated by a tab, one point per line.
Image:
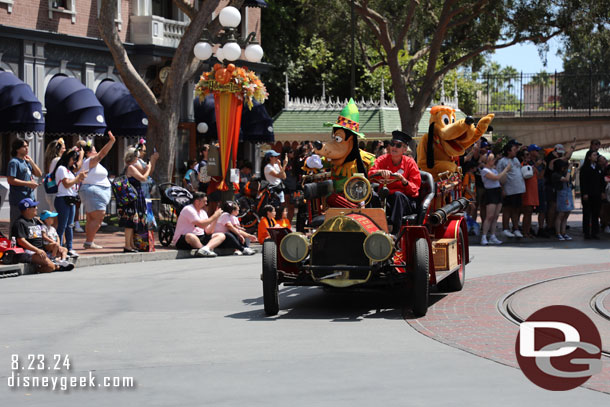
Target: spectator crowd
517	182
522	181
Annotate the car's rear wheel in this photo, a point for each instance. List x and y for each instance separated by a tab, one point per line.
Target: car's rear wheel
270	278
421	278
8	257
455	282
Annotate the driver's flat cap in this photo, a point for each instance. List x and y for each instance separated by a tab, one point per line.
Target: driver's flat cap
401	136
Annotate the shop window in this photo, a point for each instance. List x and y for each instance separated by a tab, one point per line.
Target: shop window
9	5
119	19
64	7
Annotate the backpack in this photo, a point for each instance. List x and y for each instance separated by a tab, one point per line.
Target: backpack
50	185
123	191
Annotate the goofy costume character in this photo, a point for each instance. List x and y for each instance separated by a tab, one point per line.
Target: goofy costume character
342	151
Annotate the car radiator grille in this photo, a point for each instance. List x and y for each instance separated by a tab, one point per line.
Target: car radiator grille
336	248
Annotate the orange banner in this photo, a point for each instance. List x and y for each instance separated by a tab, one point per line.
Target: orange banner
228	121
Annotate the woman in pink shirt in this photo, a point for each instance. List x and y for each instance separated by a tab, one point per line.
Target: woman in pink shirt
236	235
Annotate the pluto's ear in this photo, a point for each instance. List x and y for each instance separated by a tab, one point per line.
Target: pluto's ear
430	147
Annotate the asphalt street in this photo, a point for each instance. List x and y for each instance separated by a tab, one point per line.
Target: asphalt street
192	333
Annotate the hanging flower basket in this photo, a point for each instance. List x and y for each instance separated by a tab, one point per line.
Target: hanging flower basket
242	82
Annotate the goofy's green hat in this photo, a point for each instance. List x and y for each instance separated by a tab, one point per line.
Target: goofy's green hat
349	119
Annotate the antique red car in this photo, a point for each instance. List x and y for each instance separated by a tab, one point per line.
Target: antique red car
347	248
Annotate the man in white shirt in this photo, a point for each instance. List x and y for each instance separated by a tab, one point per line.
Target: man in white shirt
513	189
195	230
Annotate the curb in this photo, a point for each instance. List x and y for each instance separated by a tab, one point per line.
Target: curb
15	270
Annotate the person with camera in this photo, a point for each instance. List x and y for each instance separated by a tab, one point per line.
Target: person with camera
275	172
67	194
558	153
134	213
95	190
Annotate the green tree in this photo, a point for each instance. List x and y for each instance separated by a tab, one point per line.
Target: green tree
586	78
443	35
542	80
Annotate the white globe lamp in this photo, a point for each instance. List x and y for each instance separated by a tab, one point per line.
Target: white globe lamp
220	54
254	53
229	17
202	127
203	51
231	51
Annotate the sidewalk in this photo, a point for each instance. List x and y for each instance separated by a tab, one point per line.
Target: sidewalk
112	240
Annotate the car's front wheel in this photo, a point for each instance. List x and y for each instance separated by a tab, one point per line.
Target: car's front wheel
270	278
421	278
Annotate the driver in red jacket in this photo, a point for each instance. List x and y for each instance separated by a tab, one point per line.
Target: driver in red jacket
405	188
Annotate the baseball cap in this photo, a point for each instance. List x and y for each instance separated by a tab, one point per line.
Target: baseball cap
48	214
512	141
534	147
560	148
484	143
272	153
26	203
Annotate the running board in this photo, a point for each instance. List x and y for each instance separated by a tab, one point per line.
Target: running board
441	275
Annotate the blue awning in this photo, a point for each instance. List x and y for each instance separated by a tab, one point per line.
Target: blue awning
20	110
205	113
255	3
123	114
256	124
72	108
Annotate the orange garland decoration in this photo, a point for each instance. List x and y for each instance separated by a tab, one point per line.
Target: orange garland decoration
231	86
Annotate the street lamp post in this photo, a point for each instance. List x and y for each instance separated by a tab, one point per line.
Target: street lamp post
229	46
229	49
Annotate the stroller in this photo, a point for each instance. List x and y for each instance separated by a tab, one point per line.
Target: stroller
255	195
173	199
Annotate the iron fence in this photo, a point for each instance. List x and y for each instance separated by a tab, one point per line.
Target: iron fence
544	95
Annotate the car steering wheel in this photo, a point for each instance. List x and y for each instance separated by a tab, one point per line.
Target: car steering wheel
377	177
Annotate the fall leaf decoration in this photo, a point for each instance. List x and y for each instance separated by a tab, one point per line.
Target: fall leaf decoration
240	81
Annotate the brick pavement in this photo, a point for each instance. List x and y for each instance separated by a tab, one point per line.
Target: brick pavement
574	291
469	320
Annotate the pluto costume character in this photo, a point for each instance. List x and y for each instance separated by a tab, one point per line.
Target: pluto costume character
343	153
447	140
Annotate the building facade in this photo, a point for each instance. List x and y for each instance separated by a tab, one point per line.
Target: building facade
42	39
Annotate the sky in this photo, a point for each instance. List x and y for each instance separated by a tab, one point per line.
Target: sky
525	58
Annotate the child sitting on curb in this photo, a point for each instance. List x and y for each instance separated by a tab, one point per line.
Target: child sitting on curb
51	238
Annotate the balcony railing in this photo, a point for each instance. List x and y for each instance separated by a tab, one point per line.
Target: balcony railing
156	30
